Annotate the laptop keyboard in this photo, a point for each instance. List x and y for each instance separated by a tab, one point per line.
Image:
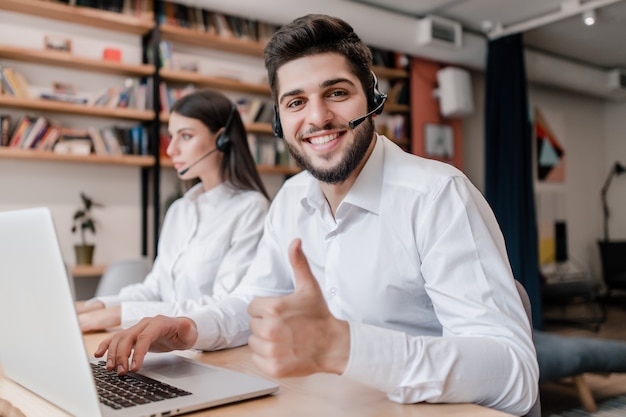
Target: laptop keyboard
129	390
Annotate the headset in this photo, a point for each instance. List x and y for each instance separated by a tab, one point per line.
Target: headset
375	98
222	143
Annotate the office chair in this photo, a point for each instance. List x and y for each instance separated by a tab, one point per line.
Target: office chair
613	259
122	273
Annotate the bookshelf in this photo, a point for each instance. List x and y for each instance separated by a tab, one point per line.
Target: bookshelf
63	59
395	113
25	52
178	27
174	33
221	83
148	26
86	271
81	15
26	154
36	104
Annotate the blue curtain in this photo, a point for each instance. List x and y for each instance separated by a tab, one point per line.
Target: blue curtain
508	162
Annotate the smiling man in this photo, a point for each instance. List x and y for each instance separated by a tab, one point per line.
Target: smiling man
375	264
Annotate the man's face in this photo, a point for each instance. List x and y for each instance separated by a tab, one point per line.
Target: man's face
317	97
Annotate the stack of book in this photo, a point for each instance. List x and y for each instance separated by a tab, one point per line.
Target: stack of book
38	133
30	133
202	20
139	8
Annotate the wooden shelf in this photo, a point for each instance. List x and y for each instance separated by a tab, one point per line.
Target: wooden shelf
401	142
277	169
67	60
70	108
81	15
33	155
214	82
397	108
262	128
86	271
390	73
263	169
228	44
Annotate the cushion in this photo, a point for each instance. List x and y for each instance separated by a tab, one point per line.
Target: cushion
565	356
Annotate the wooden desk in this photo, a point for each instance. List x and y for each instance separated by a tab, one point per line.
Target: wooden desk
315	395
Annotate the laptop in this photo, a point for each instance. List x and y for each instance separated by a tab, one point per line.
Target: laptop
42	346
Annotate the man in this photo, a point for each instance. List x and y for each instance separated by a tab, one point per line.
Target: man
375	264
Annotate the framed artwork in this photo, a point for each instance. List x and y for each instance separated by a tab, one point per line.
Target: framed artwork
54	43
550	152
439	141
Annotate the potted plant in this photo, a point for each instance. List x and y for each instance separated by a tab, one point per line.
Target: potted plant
84	221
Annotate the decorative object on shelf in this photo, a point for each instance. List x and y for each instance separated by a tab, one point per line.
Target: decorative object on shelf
112	54
439	140
617	169
84	221
58	44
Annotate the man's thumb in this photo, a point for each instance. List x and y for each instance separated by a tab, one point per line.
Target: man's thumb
302	271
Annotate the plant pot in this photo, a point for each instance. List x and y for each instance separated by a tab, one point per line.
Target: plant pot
84	254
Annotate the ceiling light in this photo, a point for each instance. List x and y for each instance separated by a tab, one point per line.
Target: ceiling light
589	17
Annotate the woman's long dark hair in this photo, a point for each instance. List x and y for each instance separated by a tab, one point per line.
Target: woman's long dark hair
212	108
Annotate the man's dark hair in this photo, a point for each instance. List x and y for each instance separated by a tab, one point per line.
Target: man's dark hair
315	34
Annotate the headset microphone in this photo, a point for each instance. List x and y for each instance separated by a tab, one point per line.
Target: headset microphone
184	170
378	109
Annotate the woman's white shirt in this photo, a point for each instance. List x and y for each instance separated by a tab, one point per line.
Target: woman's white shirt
207	242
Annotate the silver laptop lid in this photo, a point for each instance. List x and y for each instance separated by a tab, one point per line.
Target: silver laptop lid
40	349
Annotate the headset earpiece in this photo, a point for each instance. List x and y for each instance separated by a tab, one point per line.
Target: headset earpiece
278	128
222	143
377	98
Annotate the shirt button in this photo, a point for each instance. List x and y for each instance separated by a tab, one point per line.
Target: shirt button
333	291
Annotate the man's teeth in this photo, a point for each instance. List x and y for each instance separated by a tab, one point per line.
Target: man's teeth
320	140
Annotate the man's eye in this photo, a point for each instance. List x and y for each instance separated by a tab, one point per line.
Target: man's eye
294	103
337	93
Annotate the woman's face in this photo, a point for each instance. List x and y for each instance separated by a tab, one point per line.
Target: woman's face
192	148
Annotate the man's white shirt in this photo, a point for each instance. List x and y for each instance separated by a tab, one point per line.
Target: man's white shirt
415	261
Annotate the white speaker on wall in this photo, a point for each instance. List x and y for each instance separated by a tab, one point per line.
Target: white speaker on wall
454	92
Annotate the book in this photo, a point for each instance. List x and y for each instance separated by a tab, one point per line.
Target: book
64	97
39	127
20	130
18	83
111	142
7	88
5	123
98	142
50	138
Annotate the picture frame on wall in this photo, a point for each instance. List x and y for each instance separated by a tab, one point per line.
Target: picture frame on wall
439	141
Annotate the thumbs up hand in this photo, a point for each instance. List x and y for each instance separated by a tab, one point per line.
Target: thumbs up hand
296	335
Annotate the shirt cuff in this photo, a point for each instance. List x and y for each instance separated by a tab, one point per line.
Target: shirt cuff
376	356
108	301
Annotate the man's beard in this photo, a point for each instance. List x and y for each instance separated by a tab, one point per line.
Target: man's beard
351	158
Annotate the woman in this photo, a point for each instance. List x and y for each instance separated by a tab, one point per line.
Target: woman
210	235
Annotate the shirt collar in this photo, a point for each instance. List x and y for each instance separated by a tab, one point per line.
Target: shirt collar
365	191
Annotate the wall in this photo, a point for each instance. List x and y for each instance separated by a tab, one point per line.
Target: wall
615	150
590	129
